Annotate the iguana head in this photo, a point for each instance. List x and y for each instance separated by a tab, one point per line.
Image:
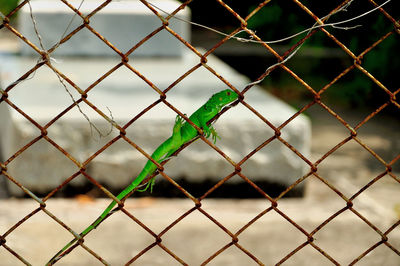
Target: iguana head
222	98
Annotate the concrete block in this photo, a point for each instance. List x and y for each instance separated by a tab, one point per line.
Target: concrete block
43	167
123	23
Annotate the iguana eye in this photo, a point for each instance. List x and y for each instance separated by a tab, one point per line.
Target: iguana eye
228	93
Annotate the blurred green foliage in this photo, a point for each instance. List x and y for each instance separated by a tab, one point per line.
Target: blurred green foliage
355	89
281	18
320	60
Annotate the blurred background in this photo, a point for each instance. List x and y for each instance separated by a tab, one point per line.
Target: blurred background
347	168
319	61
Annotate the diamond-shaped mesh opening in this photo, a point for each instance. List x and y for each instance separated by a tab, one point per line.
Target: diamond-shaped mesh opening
378	56
342	159
357	84
190	230
95	72
60	28
361	238
127	246
251	238
31	167
85	122
29	232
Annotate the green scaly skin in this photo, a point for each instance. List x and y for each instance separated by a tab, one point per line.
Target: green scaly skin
182	133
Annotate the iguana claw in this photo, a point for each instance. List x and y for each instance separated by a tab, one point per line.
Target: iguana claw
214	134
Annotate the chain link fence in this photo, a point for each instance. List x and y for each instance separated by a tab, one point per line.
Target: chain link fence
235	236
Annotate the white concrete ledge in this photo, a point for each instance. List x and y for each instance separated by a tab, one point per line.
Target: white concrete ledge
42	167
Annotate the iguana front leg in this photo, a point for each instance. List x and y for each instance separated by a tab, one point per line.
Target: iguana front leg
150	184
214	134
176	131
208	130
176	138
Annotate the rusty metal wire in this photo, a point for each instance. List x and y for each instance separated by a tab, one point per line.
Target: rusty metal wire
163	99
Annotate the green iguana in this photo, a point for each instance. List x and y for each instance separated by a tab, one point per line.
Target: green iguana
182	133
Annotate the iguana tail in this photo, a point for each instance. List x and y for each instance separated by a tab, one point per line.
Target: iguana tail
102	216
148	169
